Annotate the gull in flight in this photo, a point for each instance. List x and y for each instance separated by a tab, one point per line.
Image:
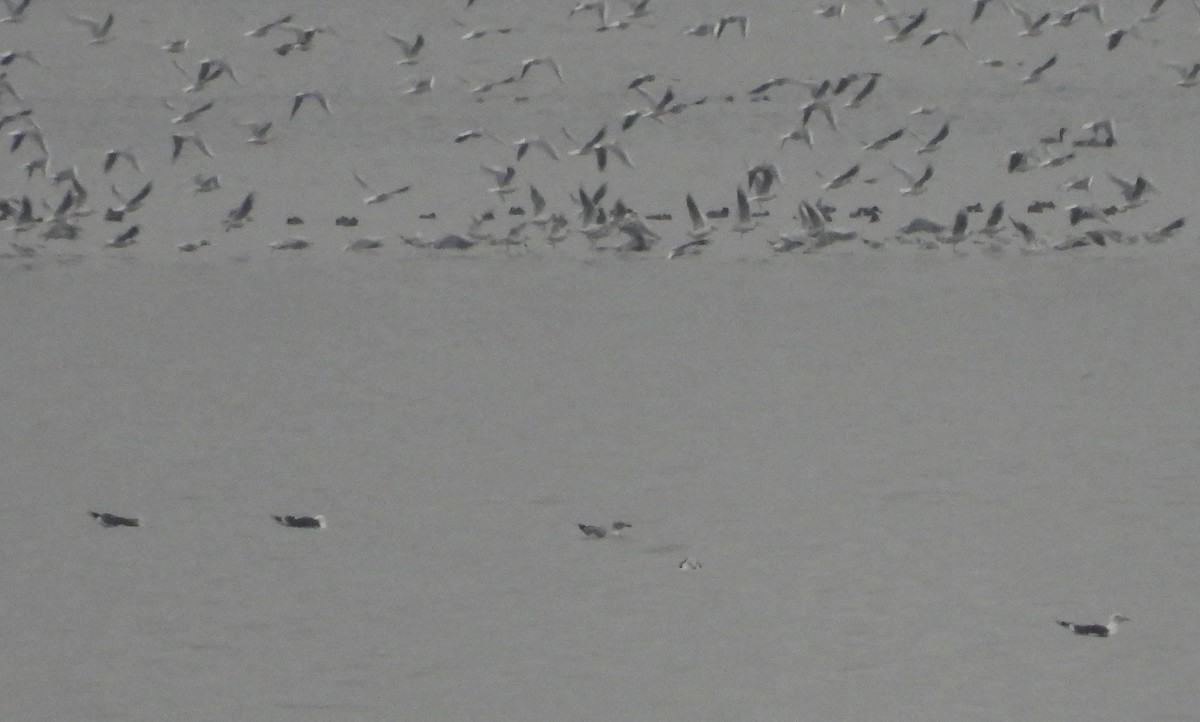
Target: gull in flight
801	133
863	92
204	183
409	50
210	69
900	33
504	179
422	85
842	179
524	144
1033	26
129	205
190	115
701	228
935	142
377	197
879	144
174	47
99	29
741	21
543	60
1188	73
916	186
262	30
16	11
260	131
179	139
745	222
112	156
316	95
239	216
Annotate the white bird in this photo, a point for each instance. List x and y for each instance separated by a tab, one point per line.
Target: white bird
916	186
205	183
834	10
262	30
935	142
179	139
409	50
701	228
524	144
174	46
801	133
16	11
1033	26
190	115
543	60
99	29
1096	630
377	197
504	179
316	95
129	205
842	179
112	156
1189	74
745	222
260	131
422	85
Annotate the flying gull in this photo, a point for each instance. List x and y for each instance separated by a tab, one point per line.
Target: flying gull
111	520
317	521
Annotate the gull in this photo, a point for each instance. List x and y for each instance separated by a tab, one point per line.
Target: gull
316	521
16	11
977	12
606	24
801	133
474	133
129	205
205	183
260	131
992	225
1036	75
916	186
1054	139
364	244
1019	161
1056	161
99	29
602	150
1077	184
539	217
524	144
992	62
210	69
812	223
935	142
638	9
589	146
1032	241
504	178
641	238
194	138
1189	74
190	115
745	222
1132	191
702	30
543	60
474	34
1033	27
835	10
112	156
409	50
741	21
316	95
1096	630
1077	213
879	144
6	87
1104	126
659	107
941	32
190	246
262	30
701	228
239	216
958	232
1161	234
111	520
761	179
174	46
422	85
863	92
1114	37
125	238
376	197
34	134
8	57
903	32
586	5
842	179
808	109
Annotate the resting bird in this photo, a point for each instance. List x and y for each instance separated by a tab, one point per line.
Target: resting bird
1096	630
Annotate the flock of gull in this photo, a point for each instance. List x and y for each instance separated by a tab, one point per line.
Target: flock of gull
813	205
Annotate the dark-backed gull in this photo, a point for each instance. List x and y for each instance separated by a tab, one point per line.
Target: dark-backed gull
111	520
1096	630
301	522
